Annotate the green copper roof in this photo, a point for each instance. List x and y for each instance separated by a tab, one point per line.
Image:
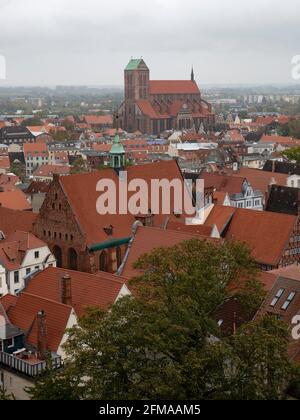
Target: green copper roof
134	64
117	147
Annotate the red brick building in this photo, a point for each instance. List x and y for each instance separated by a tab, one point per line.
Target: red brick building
79	237
155	106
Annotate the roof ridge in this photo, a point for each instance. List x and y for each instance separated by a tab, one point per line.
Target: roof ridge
46	299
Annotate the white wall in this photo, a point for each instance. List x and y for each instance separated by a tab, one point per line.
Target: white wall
30	262
3	285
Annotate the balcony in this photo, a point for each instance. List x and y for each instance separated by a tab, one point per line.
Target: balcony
30	366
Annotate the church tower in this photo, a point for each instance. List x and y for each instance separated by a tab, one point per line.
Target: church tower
137	77
117	154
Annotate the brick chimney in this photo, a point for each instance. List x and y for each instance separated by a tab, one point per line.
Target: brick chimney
66	290
42	335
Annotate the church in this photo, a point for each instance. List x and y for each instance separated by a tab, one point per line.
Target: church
154	106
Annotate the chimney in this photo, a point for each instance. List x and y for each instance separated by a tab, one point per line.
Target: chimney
273	166
66	290
42	336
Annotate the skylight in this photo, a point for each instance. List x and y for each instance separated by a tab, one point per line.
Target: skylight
289	300
277	297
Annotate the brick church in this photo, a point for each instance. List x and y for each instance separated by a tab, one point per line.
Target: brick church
153	106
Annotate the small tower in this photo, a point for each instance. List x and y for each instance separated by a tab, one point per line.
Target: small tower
117	154
192	75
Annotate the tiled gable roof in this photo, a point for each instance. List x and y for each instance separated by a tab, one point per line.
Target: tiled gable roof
12	220
23	315
88	290
147	239
267	234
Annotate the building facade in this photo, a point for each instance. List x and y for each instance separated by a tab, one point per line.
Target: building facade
155	106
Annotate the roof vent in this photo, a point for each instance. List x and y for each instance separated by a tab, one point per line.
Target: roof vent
109	230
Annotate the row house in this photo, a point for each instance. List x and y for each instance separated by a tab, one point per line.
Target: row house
21	253
36	322
239	189
16	135
273	238
36	155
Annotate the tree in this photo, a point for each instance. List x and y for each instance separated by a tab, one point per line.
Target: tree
35	121
5	397
80	166
293	154
164	342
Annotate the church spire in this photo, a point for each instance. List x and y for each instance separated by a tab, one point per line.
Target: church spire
117	154
192	75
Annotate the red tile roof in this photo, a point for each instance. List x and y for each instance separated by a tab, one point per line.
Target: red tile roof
147	239
280	140
223	183
23	315
15	200
88	290
260	180
220	216
82	196
99	119
289	272
4	162
35	149
8	182
267	234
13	220
8	301
49	170
13	250
191	229
162	87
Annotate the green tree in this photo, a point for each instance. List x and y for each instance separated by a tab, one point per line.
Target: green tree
164	342
80	166
5	397
294	128
293	154
35	121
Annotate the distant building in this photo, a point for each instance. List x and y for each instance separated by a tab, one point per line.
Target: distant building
36	155
16	135
155	106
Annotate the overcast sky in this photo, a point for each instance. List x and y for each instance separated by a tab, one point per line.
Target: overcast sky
89	42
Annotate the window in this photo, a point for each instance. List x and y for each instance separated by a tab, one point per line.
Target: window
16	277
289	300
28	271
10	343
37	267
37	255
249	204
277	297
240	205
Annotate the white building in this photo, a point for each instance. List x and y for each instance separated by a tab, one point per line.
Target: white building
248	198
35	155
20	255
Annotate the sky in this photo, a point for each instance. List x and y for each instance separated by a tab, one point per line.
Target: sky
89	42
